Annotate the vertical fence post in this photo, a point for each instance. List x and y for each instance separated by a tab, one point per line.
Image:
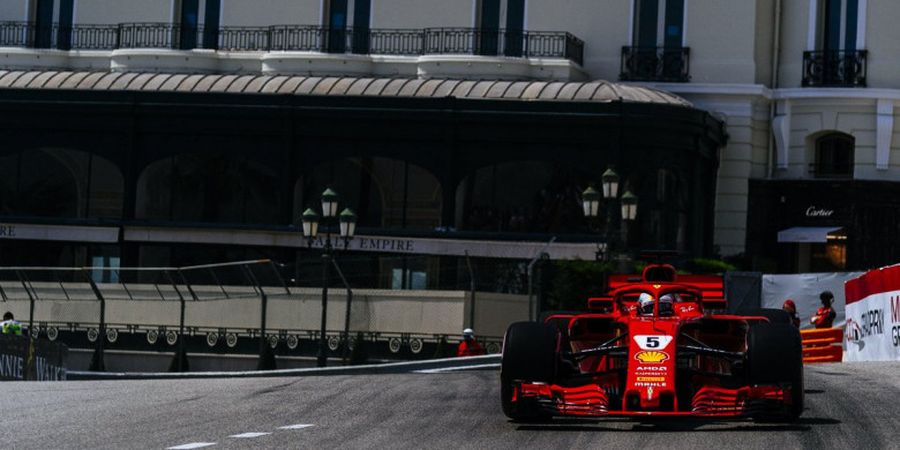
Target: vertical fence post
22	280
181	354
263	351
472	290
29	360
266	357
97	363
347	311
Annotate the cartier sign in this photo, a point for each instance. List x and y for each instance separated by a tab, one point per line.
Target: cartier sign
814	211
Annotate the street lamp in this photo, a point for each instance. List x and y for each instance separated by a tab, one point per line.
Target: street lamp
610	181
347	228
629	206
590	200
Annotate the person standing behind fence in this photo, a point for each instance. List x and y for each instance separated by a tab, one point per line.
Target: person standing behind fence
824	317
791	308
469	346
10	325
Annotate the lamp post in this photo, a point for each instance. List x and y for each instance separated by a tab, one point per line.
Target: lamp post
591	198
346	229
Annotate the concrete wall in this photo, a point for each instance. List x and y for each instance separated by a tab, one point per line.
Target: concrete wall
883	43
764	24
722	47
602	24
271	12
422	13
120	11
13	10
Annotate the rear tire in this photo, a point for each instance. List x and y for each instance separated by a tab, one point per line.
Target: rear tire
775	357
529	355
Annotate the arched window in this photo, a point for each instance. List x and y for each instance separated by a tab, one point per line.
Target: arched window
834	156
384	192
521	196
59	182
209	188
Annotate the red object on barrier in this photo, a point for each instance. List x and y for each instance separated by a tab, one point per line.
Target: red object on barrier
823	345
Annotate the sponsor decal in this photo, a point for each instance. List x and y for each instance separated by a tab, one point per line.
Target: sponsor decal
651	356
651	379
813	211
895	309
651	368
652	341
649	384
657	286
649	392
687	308
872	322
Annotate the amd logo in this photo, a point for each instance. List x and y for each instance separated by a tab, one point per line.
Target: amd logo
812	211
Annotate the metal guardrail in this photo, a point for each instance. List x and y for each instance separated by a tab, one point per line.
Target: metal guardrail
312	38
669	64
835	68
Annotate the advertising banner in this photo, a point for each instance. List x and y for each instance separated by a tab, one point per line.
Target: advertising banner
22	358
873	316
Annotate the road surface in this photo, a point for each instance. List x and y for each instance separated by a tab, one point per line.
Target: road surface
848	406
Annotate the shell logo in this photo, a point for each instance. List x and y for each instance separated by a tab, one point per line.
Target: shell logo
651	357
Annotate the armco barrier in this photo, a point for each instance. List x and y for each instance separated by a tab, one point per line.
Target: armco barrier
822	345
431	365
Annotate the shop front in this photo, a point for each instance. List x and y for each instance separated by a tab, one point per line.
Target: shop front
798	226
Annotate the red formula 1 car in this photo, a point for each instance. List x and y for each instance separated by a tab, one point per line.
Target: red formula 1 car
652	347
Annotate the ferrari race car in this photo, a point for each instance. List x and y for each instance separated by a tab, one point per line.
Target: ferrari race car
653	347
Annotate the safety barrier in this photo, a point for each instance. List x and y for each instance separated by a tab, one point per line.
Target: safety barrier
823	345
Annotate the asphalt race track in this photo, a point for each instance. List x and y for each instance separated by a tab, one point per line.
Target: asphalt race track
848	406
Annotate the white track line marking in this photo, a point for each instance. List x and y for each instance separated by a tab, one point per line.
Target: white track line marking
191	445
453	369
296	426
252	434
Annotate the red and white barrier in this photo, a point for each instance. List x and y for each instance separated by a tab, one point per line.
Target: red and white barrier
872	331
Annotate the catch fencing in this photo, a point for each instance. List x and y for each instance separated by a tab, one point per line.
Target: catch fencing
243	307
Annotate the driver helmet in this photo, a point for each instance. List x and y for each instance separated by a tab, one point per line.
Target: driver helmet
645	303
468	333
666	303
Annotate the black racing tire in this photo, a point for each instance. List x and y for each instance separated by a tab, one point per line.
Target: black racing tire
774	315
530	353
775	357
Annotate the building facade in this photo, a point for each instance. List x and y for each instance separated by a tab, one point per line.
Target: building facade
803	111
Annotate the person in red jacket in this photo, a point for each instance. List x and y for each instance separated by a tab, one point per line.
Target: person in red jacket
824	317
791	308
469	346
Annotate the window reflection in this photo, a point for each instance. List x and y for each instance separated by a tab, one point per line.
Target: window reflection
528	196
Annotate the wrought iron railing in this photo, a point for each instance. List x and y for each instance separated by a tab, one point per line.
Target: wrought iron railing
671	64
835	68
469	41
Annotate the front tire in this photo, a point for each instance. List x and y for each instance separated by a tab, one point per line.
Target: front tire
530	354
775	357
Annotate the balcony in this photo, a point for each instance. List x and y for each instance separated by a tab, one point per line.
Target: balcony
410	42
835	68
666	64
